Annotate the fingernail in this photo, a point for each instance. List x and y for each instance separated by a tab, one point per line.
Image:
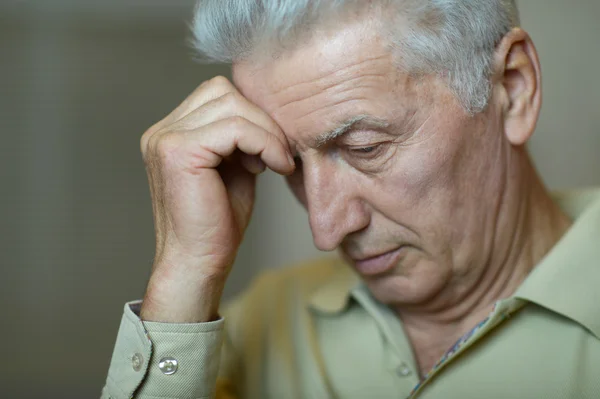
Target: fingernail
291	159
259	167
262	166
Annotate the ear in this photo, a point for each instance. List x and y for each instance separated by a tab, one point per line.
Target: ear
517	80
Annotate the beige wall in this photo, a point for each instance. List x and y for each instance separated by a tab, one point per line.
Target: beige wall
78	86
566	145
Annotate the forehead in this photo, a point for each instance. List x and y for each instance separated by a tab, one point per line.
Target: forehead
325	51
337	75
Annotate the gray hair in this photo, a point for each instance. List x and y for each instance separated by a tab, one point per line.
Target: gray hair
455	39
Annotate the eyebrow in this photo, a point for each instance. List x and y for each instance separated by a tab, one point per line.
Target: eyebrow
366	121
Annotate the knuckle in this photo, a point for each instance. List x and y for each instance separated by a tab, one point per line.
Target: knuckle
161	147
274	143
146	137
220	81
278	133
144	141
166	144
231	100
235	122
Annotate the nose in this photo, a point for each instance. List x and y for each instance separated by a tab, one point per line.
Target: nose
334	206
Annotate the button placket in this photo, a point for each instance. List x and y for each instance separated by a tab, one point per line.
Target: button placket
403	370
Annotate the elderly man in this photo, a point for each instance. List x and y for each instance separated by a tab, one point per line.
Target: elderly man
401	127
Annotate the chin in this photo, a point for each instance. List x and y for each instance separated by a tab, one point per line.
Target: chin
418	287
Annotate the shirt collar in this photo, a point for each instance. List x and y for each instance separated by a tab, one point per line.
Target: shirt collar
566	280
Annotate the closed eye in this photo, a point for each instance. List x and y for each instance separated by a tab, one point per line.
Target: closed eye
368	158
369	151
364	150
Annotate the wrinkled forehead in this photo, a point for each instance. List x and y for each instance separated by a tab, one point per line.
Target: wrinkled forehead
336	76
329	53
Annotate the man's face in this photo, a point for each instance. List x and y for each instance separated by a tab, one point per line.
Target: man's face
408	193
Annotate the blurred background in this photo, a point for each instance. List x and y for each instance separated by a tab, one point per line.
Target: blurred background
80	81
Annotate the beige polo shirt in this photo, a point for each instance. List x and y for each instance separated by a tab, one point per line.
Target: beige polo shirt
314	331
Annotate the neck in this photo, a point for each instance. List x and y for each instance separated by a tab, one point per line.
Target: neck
527	225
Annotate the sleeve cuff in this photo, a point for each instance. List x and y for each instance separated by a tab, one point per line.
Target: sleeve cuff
130	358
164	360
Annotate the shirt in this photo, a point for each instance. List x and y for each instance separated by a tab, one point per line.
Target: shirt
314	331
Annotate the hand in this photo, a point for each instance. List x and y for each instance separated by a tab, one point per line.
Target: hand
202	162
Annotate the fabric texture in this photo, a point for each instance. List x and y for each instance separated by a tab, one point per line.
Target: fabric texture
123	379
314	331
196	347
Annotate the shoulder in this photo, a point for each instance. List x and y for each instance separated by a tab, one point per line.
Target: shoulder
279	294
296	282
300	278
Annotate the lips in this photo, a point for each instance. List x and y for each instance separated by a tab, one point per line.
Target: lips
378	264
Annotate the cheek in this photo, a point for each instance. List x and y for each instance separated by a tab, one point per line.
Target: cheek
421	170
422	185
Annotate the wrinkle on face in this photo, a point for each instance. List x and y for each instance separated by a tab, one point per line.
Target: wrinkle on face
318	84
428	193
318	111
337	89
330	79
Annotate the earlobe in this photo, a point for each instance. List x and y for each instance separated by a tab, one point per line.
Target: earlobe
520	80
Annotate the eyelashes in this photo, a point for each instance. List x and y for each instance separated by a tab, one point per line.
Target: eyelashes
361	157
364	150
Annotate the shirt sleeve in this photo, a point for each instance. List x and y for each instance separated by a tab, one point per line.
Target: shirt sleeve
163	360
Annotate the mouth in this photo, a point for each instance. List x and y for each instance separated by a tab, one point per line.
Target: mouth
378	264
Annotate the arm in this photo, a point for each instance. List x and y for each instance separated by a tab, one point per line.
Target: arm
202	162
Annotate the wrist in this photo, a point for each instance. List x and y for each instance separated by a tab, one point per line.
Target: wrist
189	299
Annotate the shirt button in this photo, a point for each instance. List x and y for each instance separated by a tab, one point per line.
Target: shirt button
168	365
403	370
137	361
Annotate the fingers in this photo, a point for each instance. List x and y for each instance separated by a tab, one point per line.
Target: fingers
229	105
205	92
221	138
253	164
214	100
206	146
